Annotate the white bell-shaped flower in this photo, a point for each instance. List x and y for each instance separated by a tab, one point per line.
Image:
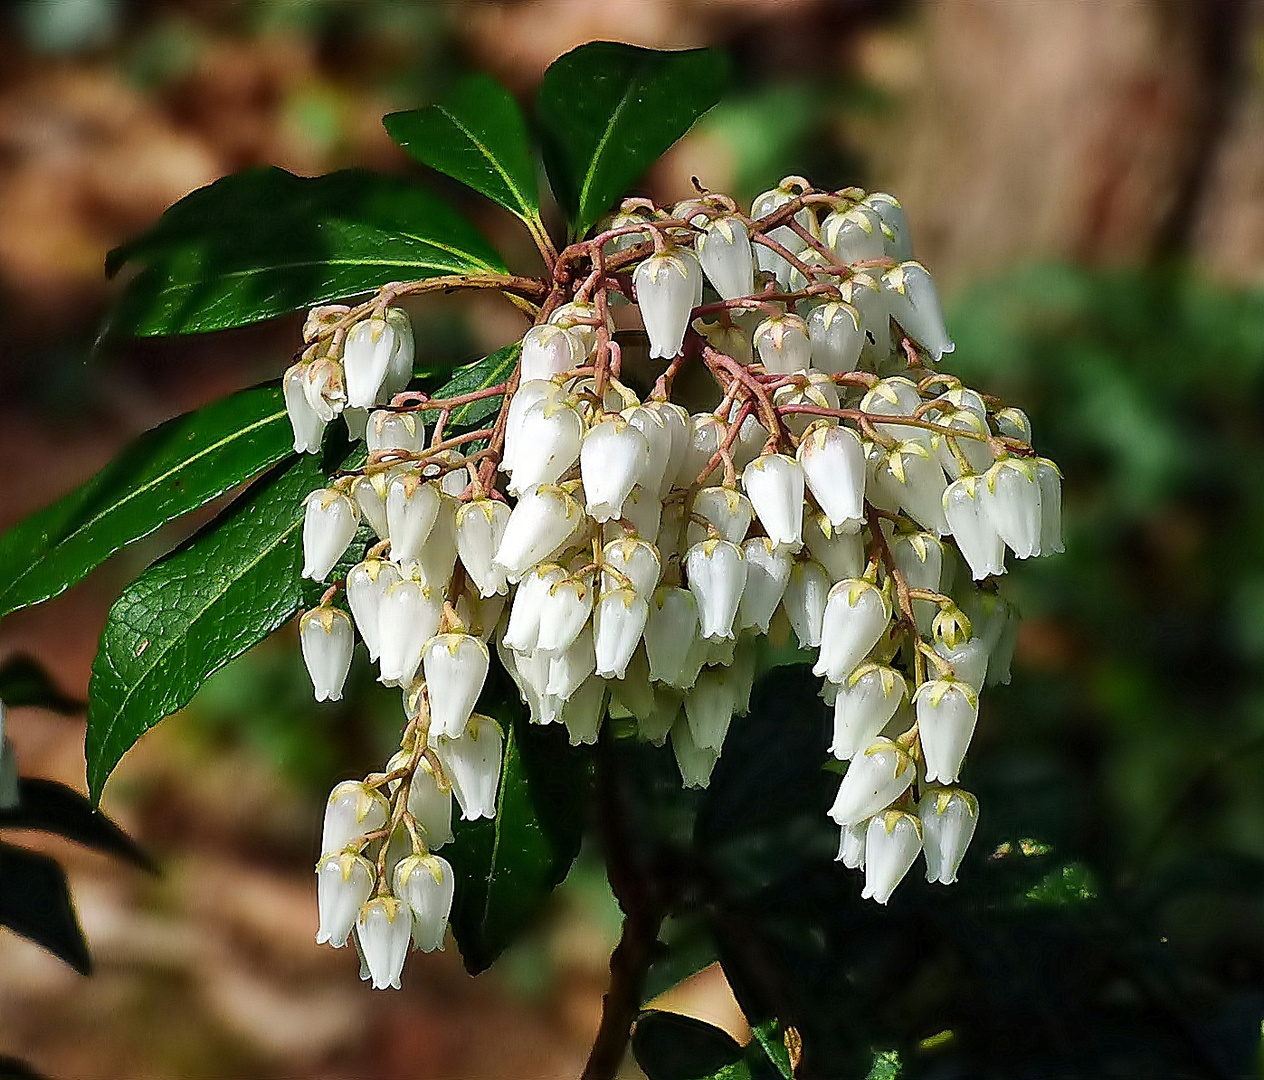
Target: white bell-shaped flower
631	562
705	434
643	511
367	583
306	423
385	930
971	526
836	337
634	693
873	781
353	810
752	436
583	712
809	389
854	234
865	293
366	355
774	484
455	667
408	617
996	623
947	710
805	600
676	423
658	442
324	388
1049	478
893	842
327	640
1011	499
949	817
544	519
568	670
403	431
549	440
709	709
357	421
767	572
412	507
564	609
369	493
914	476
330	521
767	259
525	397
888	208
863	706
915	306
655	727
1014	423
724	250
969	660
549	350
856	616
728	511
430	803
896	396
833	463
523	630
480	526
614	457
973	453
619	621
841	552
920	559
581	318
696	763
851	846
399	369
425	883
717	575
783	345
344	881
472	763
668	287
671	633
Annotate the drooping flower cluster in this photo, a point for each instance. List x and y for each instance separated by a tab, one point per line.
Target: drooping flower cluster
622	556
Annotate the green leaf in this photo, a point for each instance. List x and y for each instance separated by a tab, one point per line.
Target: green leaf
166	473
669	1046
35	902
479	137
203	605
490	371
608	111
25	684
51	807
264	242
507	866
769	1044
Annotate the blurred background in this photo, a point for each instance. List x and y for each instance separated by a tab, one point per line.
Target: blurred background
1085	180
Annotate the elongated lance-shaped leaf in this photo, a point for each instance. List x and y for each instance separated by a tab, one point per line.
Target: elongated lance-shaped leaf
490	371
478	136
166	473
264	242
607	111
35	902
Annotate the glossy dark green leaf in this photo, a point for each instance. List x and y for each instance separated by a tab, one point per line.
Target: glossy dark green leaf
35	902
507	866
490	371
478	136
768	1044
264	242
50	807
669	1046
25	684
166	473
608	111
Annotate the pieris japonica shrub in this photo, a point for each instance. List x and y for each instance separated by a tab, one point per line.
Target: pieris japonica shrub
728	436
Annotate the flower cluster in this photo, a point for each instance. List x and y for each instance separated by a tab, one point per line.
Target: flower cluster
622	555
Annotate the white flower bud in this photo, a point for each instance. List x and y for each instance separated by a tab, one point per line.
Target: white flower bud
1050	481
892	843
752	436
670	635
856	617
676	424
696	763
806	596
353	810
523	631
1011	499
618	623
323	387
949	817
366	355
357	421
811	389
583	713
976	451
408	617
455	667
895	397
549	350
841	552
947	710
706	432
969	660
631	562
724	249
774	484
308	426
655	727
437	559
564	609
767	259
888	208
854	235
863	706
569	316
329	525
614	457
767	572
709	709
865	293
480	526
403	431
920	559
836	337
327	640
658	442
425	884
717	575
472	763
915	306
343	883
1014	423
544	519
527	395
668	287
833	463
911	474
643	510
549	439
399	369
972	528
385	930
369	493
412	507
431	804
568	670
728	511
783	345
851	845
367	583
996	623
873	781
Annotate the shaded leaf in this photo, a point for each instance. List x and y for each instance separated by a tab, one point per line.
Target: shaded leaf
477	136
55	808
264	242
768	1042
608	111
25	684
669	1046
490	371
35	902
166	473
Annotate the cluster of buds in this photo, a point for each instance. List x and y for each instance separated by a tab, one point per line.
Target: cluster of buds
622	555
